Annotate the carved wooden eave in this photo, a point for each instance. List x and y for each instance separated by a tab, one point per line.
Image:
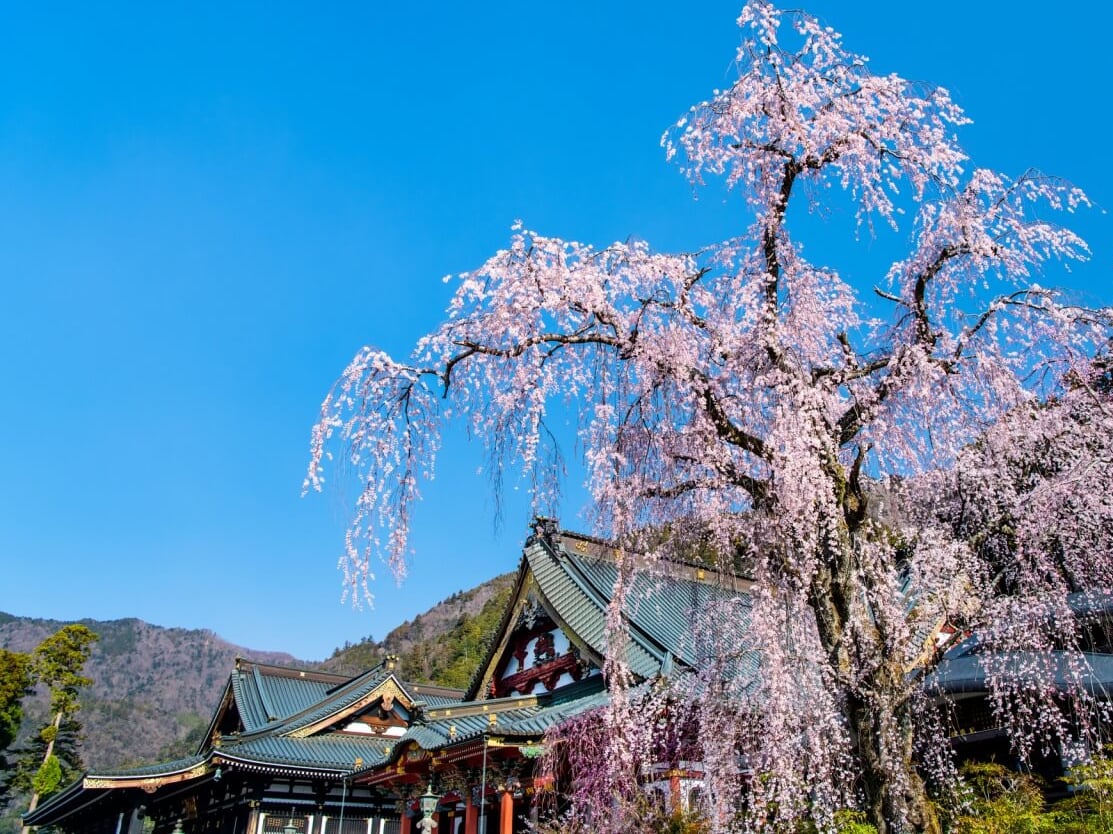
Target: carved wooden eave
150	784
387	775
275	769
389	690
462	752
413	763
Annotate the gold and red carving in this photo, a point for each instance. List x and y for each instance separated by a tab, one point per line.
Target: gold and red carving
546	673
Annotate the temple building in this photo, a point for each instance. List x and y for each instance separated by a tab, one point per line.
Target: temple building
292	750
305	752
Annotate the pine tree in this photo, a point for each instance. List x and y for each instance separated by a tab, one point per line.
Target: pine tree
58	663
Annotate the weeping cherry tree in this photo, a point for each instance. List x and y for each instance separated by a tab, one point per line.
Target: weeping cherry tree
751	394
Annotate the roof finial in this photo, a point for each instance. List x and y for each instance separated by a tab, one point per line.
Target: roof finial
544	529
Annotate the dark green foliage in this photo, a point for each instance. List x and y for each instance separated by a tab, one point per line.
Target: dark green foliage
846	821
59	661
15	683
67	752
1002	801
362	655
451	659
1090	807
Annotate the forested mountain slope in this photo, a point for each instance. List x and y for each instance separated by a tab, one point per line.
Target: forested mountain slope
444	645
154	688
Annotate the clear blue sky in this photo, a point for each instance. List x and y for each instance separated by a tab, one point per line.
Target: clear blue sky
205	210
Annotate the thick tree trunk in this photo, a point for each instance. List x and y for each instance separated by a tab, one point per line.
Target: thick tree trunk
894	790
876	705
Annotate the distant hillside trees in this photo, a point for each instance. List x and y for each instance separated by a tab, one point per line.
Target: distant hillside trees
15	683
53	756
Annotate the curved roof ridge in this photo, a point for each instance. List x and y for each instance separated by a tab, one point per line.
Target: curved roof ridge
295	671
158	769
268	708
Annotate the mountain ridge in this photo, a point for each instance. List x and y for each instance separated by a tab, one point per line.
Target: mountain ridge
155	687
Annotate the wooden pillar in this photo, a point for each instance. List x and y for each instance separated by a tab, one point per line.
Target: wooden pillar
405	827
471	814
674	792
506	818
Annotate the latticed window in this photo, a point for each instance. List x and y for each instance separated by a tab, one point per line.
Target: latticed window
277	823
974	715
350	826
697	800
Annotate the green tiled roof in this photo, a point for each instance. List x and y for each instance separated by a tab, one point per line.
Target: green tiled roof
265	694
663	613
331	751
72	798
77	798
432	701
473	726
159	769
281	700
538	723
340	698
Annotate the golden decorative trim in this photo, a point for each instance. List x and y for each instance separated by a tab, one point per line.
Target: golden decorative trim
150	784
485	708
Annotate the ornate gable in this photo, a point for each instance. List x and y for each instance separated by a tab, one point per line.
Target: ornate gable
377	711
538	657
387	716
535	652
